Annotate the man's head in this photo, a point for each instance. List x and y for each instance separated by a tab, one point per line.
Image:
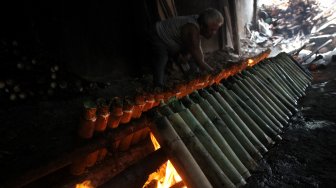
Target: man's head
210	20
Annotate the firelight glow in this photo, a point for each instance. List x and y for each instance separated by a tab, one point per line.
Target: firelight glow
166	176
85	184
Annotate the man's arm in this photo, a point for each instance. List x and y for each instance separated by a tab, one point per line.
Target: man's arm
192	42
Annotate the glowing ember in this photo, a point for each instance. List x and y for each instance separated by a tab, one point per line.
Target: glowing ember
165	176
250	62
85	184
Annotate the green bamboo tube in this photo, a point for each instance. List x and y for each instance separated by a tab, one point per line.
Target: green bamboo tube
208	165
287	86
177	152
270	129
280	88
255	82
295	72
212	111
289	61
219	139
295	79
209	118
248	104
254	140
275	90
256	99
251	102
283	111
268	104
267	71
290	83
253	126
279	99
212	148
300	86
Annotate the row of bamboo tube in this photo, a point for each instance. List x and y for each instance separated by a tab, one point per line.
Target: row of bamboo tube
214	136
106	114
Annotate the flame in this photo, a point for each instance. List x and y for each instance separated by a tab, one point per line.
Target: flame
166	176
250	62
85	184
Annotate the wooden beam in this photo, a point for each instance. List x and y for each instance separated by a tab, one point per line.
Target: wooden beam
136	175
234	24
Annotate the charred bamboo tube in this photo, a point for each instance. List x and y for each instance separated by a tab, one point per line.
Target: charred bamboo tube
268	129
208	165
269	105
198	113
254	140
249	147
280	100
234	143
280	82
268	111
255	129
212	147
293	85
296	84
283	111
178	153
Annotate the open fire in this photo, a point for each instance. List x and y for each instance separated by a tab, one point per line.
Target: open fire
166	176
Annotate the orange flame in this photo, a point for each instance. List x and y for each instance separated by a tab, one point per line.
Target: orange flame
166	176
85	184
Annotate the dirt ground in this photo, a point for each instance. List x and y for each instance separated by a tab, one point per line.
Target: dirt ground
306	155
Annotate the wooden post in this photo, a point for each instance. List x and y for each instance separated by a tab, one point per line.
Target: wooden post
234	23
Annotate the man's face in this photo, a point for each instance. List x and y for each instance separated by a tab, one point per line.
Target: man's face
210	30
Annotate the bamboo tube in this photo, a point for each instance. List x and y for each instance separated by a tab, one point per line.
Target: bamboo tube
254	104
212	148
290	61
279	88
278	99
178	153
210	128
137	136
125	143
208	165
254	140
219	139
269	129
301	82
254	127
300	87
290	83
269	107
101	154
78	166
234	143
248	146
91	158
283	86
275	87
296	74
281	109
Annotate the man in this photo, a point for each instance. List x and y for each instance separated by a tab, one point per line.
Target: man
181	37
